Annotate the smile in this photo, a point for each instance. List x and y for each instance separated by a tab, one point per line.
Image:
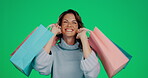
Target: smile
68	30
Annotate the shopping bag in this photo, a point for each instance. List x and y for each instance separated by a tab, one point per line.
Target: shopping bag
29	48
23	42
111	57
125	53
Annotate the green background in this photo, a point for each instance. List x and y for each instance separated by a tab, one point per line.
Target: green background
123	21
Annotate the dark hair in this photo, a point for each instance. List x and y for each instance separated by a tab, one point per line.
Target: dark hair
78	19
77	16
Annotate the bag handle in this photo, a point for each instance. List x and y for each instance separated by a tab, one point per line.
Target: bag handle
49	26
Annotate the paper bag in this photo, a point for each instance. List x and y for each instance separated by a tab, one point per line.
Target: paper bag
29	48
112	58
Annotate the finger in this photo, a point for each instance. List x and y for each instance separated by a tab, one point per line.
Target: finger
60	31
77	37
54	25
51	25
59	28
84	29
81	29
57	25
78	31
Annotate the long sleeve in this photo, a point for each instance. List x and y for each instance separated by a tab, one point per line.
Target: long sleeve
90	66
43	63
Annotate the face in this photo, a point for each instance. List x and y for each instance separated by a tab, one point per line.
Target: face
69	25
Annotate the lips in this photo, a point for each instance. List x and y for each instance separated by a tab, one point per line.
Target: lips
69	30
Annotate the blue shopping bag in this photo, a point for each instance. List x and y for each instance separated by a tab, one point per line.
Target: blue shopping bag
24	55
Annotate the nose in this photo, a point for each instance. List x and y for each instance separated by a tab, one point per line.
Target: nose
69	24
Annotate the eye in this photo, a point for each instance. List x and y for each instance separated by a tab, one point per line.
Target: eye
64	21
74	22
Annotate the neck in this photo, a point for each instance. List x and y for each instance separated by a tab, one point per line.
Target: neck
69	40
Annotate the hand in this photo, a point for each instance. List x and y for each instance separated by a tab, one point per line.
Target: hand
55	28
81	33
85	44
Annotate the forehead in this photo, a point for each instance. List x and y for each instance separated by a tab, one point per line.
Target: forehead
69	16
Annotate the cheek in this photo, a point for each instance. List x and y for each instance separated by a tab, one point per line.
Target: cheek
64	24
76	27
76	30
63	29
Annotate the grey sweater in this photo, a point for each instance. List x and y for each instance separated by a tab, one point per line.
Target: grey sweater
66	61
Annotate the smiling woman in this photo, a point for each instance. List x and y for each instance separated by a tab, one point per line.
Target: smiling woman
69	26
67	59
73	16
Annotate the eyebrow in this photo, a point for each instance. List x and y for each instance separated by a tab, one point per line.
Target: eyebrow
72	20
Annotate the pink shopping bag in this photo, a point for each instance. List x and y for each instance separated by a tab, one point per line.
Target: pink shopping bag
112	58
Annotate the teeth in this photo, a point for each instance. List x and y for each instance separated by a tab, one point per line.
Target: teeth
68	30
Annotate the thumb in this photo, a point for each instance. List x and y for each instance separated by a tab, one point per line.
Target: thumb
77	37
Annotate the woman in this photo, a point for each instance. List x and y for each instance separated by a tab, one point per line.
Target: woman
72	57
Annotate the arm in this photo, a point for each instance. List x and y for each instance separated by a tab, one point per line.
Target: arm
56	30
85	45
43	61
90	64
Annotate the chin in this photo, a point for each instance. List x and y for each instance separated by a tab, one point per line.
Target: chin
69	35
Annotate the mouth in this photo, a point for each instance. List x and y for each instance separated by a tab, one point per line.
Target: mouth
69	30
